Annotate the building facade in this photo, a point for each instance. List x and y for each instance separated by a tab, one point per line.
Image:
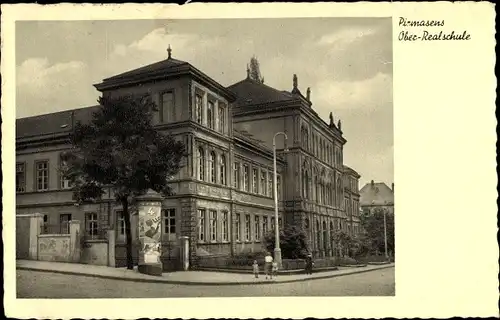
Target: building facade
223	195
377	196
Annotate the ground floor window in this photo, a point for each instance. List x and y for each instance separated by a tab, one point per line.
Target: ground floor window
225	226
91	225
257	228
237	227
64	219
201	224
247	227
213	225
169	224
120	220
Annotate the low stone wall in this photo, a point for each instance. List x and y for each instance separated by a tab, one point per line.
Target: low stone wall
226	262
54	247
95	252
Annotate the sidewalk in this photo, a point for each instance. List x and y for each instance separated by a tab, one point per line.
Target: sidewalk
182	277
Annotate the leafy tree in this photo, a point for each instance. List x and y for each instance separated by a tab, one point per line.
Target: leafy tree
373	224
120	149
293	242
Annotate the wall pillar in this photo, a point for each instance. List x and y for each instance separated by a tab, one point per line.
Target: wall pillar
149	232
75	240
111	248
36	221
185	252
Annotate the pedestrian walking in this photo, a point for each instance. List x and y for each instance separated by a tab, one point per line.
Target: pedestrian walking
255	269
309	264
268	265
274	271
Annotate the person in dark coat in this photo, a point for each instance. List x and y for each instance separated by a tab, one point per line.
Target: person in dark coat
309	264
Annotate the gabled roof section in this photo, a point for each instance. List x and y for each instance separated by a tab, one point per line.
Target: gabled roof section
376	193
250	92
160	70
159	66
53	123
351	171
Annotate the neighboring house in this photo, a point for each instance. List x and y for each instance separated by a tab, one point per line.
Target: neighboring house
223	198
377	195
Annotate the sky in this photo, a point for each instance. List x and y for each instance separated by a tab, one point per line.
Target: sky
347	63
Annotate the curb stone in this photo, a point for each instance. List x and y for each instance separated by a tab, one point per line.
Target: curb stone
197	283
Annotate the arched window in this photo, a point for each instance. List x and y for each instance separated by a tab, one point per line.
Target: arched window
340	193
201	164
305	138
305	184
306	224
318	189
318	234
222	169
212	167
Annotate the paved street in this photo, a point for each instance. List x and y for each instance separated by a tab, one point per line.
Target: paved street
33	284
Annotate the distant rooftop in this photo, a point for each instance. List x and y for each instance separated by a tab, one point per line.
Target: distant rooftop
376	193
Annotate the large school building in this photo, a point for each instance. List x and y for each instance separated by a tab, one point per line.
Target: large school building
223	198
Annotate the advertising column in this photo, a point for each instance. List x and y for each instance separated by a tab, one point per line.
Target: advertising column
149	209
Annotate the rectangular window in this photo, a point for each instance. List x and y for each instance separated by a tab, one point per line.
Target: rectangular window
265	226
236	175
222	119
257	228
199	108
167	107
273	223
91	225
247	227
254	180
64	182
263	181
213	225
210	115
237	226
225	226
270	189
42	175
20	177
64	220
120	228
222	170
245	177
169	224
201	224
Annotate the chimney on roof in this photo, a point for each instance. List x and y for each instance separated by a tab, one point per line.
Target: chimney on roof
308	94
392	187
372	183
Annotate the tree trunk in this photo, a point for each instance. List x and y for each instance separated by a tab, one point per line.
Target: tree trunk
128	233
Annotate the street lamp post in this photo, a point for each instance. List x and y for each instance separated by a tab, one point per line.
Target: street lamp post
277	249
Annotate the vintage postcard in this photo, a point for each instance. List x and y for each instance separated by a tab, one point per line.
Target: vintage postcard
248	154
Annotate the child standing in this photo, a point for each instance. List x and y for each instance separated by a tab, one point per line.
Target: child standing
255	269
274	272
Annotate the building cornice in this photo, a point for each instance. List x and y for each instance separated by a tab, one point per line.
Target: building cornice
173	72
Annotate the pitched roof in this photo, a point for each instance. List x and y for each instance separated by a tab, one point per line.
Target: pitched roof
52	123
251	92
156	67
351	171
160	70
376	193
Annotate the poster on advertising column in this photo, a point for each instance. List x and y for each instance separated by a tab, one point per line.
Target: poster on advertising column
150	233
